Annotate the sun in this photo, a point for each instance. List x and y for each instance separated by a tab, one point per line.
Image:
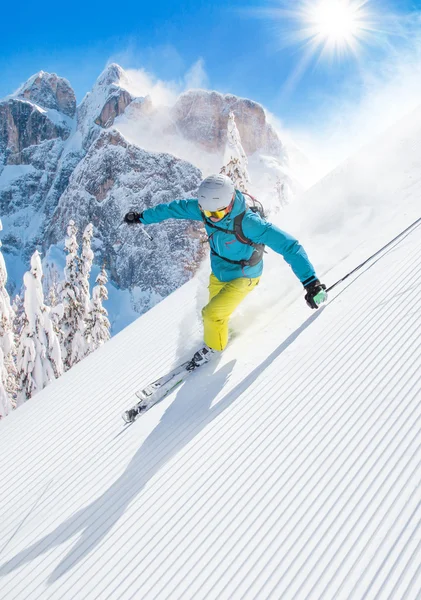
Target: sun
335	26
335	19
335	31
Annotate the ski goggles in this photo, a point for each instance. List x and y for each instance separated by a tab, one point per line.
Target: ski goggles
217	214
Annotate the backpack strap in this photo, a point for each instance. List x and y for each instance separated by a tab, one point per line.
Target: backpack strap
238	231
259	249
210	224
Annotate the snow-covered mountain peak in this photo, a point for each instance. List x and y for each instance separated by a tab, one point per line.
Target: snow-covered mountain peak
113	74
40	111
49	91
202	116
108	99
197	93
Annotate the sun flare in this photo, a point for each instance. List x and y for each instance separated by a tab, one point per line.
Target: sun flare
324	31
334	19
335	26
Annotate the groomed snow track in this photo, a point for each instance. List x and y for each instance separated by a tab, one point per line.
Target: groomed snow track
290	469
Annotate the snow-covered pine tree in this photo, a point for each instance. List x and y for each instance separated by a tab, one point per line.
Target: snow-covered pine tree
98	325
5	403
85	265
73	342
19	312
39	356
235	159
52	284
53	289
8	373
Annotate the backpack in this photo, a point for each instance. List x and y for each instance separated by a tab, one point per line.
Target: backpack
259	249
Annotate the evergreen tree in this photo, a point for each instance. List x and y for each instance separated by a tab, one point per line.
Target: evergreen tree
98	325
19	312
39	356
85	265
8	373
52	285
53	289
235	159
73	346
5	403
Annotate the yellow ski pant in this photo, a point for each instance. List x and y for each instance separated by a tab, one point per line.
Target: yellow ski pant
224	297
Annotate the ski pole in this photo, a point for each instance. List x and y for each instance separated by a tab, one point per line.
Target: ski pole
407	230
148	235
150	238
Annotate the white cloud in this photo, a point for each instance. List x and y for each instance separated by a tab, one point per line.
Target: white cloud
143	84
196	77
165	93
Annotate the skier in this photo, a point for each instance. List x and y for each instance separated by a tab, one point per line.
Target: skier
237	238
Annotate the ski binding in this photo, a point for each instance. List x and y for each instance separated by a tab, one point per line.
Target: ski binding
156	391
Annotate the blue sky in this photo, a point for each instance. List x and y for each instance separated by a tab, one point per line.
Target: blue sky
242	50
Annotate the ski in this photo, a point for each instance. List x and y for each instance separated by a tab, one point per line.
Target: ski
156	391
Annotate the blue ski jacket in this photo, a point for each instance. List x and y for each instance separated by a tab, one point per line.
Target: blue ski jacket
254	227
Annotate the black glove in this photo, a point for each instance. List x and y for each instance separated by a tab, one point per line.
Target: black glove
131	218
316	294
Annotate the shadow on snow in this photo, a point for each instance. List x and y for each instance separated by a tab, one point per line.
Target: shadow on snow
188	415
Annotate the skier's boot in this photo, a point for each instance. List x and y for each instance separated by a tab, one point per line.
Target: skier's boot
130	415
201	357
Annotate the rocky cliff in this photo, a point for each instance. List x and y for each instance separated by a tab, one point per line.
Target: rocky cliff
202	117
36	124
113	177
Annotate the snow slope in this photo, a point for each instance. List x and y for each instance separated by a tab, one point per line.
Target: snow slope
290	468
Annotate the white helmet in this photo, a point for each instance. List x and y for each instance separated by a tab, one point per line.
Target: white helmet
216	191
